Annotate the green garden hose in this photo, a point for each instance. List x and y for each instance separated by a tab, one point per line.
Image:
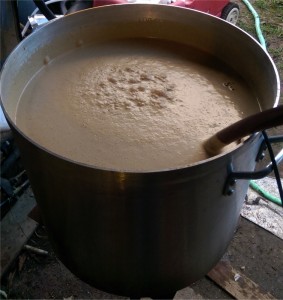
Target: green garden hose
264	193
257	24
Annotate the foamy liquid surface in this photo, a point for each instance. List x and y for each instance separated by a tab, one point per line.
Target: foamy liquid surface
132	105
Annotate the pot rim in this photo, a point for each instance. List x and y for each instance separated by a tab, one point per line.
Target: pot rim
13	125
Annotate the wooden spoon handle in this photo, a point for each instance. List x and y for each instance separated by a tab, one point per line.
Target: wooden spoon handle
260	121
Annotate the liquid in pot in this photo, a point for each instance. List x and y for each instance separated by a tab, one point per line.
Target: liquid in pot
132	105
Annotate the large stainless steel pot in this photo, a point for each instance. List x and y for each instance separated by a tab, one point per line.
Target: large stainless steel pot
139	234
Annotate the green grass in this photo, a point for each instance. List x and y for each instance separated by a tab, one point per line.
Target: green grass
249	27
276	52
270	13
271	29
269	4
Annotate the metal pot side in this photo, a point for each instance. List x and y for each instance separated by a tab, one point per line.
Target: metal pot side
138	234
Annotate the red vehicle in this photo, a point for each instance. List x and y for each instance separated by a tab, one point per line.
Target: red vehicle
224	9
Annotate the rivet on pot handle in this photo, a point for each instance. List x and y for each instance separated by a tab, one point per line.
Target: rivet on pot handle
233	176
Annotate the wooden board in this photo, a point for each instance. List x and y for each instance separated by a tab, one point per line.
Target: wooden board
235	283
16	229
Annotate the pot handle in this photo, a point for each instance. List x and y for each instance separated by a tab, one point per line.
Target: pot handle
272	166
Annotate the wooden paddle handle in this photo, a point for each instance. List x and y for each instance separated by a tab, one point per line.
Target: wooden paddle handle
260	121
